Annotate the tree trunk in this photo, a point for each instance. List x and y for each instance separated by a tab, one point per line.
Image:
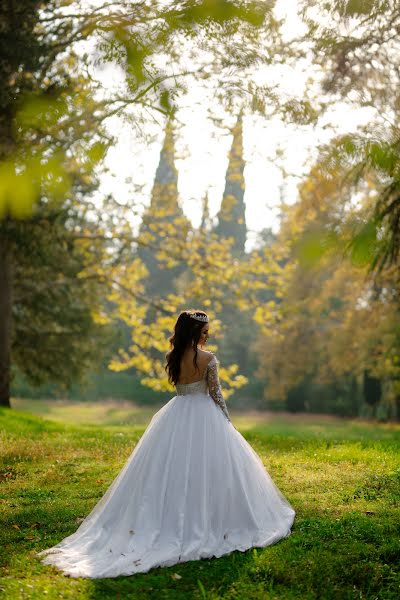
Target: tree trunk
5	320
398	408
354	396
8	66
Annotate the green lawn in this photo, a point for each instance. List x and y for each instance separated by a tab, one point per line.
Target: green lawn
341	476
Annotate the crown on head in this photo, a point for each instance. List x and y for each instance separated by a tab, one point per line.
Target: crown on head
203	318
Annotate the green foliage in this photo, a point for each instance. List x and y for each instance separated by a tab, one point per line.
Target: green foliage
352	54
351	8
94	387
51	144
364	243
313	245
54	334
220	12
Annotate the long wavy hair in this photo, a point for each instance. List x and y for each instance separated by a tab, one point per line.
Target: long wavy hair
187	333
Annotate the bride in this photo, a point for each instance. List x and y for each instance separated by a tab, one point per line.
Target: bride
192	488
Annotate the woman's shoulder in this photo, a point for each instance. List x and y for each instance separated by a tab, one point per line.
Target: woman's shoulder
207	357
205	354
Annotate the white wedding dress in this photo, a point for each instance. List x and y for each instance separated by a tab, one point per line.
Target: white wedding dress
192	488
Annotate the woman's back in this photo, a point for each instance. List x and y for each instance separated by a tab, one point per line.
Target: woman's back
188	373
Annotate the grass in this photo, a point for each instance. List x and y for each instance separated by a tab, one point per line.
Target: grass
341	476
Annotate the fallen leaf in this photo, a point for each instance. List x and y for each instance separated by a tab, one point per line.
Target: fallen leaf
176	576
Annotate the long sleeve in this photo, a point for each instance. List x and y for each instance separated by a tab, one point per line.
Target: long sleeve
214	386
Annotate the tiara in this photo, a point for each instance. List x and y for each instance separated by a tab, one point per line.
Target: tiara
199	317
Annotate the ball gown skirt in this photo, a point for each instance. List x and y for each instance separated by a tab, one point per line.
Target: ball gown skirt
192	488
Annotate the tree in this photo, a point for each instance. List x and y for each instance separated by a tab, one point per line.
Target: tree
48	157
208	266
357	54
232	214
372	388
333	322
163	224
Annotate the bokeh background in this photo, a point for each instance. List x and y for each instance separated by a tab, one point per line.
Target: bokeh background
241	158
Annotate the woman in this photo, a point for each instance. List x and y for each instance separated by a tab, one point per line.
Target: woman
192	488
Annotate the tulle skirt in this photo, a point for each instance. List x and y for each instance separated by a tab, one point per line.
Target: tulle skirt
192	488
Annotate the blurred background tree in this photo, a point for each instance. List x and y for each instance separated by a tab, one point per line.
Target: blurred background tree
50	145
335	322
355	45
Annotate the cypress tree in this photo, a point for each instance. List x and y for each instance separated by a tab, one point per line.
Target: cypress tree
232	214
164	225
239	327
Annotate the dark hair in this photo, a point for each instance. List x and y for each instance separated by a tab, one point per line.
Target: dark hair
187	332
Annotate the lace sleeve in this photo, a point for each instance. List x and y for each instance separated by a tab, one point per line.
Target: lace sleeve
214	386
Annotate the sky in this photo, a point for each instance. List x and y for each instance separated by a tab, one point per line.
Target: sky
202	150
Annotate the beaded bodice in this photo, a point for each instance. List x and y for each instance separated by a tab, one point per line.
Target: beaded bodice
197	387
209	382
